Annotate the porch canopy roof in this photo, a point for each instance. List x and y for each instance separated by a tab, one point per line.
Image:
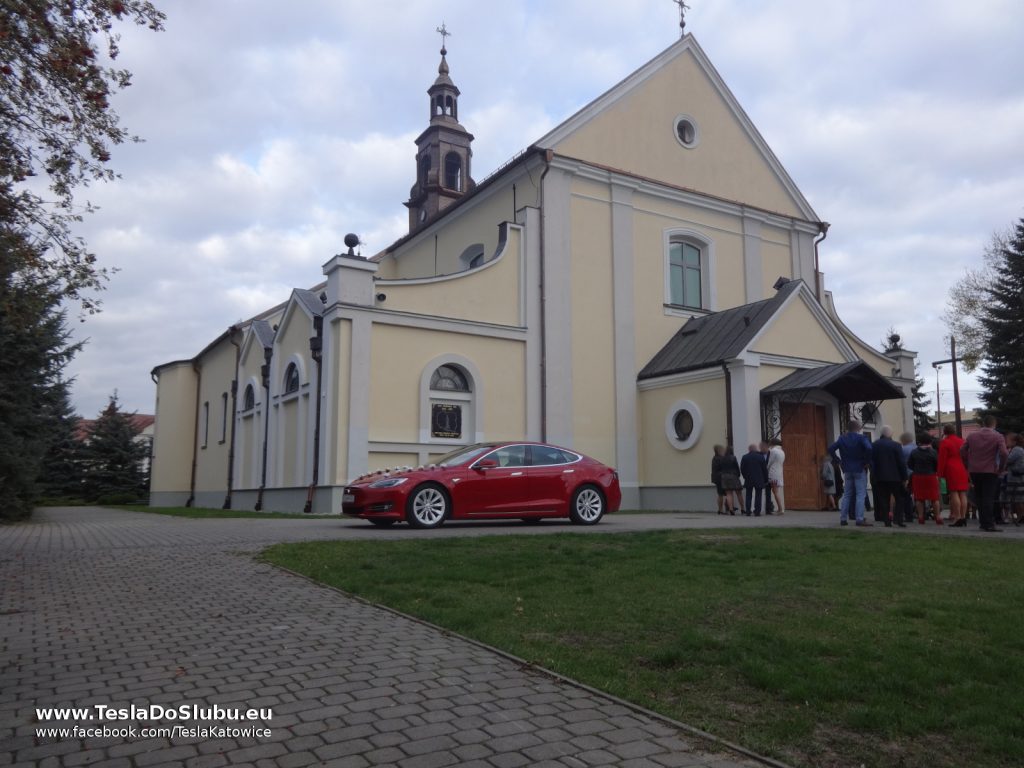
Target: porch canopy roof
853	382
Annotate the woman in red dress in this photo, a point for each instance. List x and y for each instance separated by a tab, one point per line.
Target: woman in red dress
951	467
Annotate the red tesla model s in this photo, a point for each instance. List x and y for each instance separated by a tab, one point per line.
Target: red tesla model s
488	481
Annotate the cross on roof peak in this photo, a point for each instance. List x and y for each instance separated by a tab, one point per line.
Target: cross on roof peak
683	8
445	34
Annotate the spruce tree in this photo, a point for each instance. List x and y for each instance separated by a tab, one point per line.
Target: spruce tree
113	458
61	474
34	349
1003	371
922	419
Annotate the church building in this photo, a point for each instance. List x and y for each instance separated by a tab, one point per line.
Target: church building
640	284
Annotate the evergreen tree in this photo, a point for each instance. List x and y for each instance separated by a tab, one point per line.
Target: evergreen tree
1003	377
61	475
34	348
113	458
922	419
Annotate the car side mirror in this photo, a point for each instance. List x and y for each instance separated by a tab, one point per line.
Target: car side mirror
485	464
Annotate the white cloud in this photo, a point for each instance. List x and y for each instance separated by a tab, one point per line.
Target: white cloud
270	134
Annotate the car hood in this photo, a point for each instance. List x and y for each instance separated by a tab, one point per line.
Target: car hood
410	473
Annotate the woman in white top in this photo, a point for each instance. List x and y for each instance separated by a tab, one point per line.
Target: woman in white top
776	458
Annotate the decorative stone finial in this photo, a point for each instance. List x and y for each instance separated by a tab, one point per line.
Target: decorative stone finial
683	8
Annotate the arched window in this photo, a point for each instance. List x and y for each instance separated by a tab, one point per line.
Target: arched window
439	106
291	379
473	256
451	401
685	277
453	171
249	399
449	106
448	378
689	273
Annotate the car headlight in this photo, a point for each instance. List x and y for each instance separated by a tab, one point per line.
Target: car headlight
388	482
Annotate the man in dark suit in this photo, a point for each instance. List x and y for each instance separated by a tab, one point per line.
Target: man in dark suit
754	469
889	476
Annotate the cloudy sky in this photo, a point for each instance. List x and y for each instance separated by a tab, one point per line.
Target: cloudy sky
271	129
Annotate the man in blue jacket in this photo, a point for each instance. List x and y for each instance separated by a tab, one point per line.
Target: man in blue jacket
854	455
755	478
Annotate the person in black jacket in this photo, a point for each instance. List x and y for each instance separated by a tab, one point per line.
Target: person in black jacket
755	478
889	476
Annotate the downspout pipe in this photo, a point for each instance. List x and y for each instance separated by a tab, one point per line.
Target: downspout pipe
268	353
235	338
316	348
823	230
548	156
195	435
728	407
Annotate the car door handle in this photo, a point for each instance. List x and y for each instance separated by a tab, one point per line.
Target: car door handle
516	474
568	471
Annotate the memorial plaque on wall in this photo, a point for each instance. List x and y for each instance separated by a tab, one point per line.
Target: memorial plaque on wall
446	421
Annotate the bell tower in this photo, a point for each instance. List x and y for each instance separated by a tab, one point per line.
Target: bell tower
444	152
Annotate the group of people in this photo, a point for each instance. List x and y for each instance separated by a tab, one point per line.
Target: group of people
986	470
744	484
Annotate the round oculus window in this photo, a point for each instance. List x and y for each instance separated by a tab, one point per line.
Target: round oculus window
686	131
682	423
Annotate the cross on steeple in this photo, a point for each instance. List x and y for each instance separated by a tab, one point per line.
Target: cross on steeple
683	8
445	34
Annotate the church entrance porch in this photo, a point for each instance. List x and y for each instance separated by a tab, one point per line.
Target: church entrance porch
793	409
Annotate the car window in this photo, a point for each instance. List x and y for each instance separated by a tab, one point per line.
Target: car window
545	455
463	455
510	456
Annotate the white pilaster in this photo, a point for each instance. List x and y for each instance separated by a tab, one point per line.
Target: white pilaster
625	344
557	307
753	269
746	396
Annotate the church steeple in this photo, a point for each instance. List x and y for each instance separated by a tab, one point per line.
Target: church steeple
444	151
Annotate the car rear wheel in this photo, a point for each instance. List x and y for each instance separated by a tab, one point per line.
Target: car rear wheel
587	506
427	507
382	522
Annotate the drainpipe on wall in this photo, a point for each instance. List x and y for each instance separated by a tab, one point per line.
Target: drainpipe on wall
728	407
195	436
237	342
268	353
316	349
823	229
548	155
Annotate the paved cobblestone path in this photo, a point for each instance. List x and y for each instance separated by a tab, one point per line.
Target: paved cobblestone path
117	608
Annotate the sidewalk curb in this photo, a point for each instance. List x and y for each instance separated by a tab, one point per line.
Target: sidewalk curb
523	663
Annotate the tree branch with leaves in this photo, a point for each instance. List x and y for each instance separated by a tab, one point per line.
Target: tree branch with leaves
57	127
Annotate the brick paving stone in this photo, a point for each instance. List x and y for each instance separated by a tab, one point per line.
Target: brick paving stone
105	606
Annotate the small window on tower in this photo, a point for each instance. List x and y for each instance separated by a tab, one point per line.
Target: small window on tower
424	170
453	172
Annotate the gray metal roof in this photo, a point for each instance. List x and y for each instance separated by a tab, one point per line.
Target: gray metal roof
853	382
311	301
264	333
713	339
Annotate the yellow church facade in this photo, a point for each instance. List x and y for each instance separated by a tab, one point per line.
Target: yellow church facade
639	285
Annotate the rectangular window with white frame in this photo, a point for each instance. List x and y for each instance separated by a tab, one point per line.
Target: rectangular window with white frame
685	278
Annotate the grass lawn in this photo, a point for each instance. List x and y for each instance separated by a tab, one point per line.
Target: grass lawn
819	648
201	512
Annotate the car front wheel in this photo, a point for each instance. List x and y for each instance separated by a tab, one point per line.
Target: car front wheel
587	506
427	507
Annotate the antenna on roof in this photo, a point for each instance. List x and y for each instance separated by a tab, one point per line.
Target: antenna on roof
683	8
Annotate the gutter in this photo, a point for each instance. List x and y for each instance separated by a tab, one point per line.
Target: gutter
195	435
823	227
728	407
316	347
234	332
268	353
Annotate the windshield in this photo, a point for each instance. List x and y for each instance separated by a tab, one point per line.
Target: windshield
464	455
